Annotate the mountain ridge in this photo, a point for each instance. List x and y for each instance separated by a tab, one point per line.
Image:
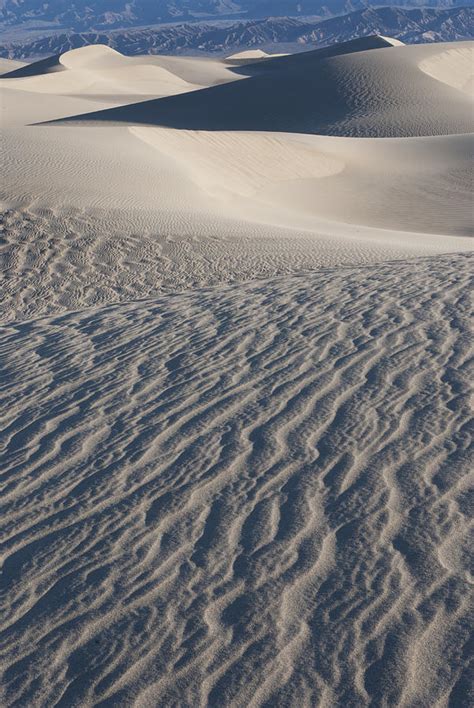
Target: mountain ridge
408	26
109	14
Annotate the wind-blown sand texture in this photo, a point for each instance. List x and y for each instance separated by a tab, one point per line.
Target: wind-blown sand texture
236	352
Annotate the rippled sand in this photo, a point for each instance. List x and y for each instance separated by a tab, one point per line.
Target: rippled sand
235	425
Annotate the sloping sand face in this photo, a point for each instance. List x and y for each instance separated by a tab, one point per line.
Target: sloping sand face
9	65
242	496
454	66
376	93
234	332
209	206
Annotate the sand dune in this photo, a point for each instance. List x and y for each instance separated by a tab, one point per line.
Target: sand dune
102	59
173	209
453	66
96	71
9	65
80	80
112	80
247	496
370	93
207	208
249	56
422	185
235	353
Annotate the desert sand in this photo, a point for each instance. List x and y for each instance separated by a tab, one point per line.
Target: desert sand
236	346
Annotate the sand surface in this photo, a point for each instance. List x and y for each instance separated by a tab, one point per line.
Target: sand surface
236	347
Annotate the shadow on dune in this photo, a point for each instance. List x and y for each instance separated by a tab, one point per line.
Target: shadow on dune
341	91
294	93
45	66
278	63
283	101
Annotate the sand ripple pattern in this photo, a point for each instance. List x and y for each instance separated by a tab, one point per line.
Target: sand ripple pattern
250	495
57	261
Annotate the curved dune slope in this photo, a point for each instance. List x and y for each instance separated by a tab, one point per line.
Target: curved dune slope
376	93
453	66
95	56
9	65
103	215
100	60
37	68
177	209
423	184
248	54
98	55
96	71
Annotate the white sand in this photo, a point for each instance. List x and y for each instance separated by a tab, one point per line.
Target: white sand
249	54
217	492
8	65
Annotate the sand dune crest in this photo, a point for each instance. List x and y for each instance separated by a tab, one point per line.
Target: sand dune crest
370	93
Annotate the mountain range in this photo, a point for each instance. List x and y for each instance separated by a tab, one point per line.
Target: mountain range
82	15
284	33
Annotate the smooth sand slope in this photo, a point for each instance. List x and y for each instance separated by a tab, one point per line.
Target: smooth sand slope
9	65
96	71
235	355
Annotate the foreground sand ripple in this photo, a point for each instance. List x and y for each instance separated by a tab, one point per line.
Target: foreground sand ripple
243	495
